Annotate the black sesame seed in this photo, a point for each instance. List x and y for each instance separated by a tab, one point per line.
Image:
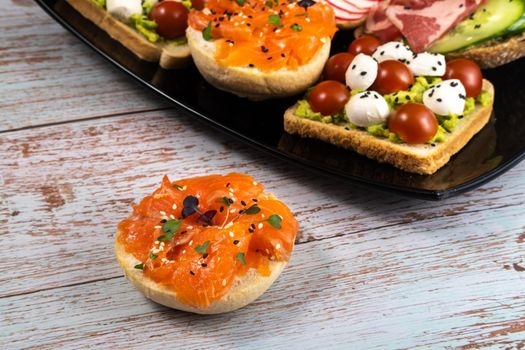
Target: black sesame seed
205	255
236	242
252	226
264	49
408	97
221	209
396	100
269	58
461	5
397	46
282	55
248	24
192	273
433	145
228	184
434	69
460	117
376	97
439	63
163	221
250	230
363	74
431	93
251	65
243	203
217	25
477	26
204	264
353	66
463	97
241	211
254	199
363	96
382	53
439	100
221	18
347	128
453	83
183	232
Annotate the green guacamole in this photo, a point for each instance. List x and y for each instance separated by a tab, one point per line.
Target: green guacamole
447	124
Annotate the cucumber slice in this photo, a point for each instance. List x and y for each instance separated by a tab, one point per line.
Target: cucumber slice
488	21
518	26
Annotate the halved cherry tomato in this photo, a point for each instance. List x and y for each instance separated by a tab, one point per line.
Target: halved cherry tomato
468	72
392	76
171	18
328	97
413	123
197	4
336	66
366	44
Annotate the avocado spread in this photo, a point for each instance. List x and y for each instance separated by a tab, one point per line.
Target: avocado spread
446	124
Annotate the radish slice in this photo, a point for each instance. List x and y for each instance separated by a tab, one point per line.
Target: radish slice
352	10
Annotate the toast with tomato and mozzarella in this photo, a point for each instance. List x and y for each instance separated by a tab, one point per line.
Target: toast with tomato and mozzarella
261	49
414	111
489	32
153	31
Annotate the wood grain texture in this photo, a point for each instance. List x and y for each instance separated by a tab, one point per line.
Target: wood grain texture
370	270
42	67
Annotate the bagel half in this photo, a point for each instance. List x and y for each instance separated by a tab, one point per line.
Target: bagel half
167	55
244	290
253	83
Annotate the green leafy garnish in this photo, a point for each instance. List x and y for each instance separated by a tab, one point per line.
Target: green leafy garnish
206	33
201	249
145	27
254	209
275	20
179	187
187	4
240	257
169	228
227	201
152	256
269	4
241	2
296	27
100	3
147	6
139	266
275	221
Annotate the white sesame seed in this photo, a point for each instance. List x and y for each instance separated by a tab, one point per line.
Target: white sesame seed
223	282
191	242
190	227
278	31
163	260
307	19
229	224
255	182
184	251
231	190
263	216
236	24
184	188
198	195
260	34
278	246
158	242
158	226
230	44
162	244
231	234
174	206
218	259
163	213
260	226
232	210
172	217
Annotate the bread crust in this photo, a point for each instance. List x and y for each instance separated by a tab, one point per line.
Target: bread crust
244	290
421	159
494	53
253	83
169	56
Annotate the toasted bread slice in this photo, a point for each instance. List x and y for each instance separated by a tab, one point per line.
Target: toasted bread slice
244	290
168	55
421	159
495	52
253	83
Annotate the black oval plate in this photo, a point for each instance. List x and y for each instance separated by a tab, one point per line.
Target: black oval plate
495	149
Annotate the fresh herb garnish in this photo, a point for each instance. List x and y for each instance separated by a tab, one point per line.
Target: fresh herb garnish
296	27
254	209
179	187
241	2
275	20
269	4
240	257
139	266
191	206
206	33
152	256
227	201
275	221
201	249
169	228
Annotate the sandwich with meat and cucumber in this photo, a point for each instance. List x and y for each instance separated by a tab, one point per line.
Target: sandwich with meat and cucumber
154	31
388	103
489	32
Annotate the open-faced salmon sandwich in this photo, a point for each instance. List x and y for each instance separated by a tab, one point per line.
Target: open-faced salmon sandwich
261	49
154	31
207	245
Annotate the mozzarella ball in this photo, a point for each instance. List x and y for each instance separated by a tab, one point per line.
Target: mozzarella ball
447	97
428	64
123	9
393	50
367	108
361	73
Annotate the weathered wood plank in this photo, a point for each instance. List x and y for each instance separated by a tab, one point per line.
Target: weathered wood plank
65	188
425	285
49	76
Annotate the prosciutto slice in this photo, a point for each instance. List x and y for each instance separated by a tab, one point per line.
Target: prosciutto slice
421	22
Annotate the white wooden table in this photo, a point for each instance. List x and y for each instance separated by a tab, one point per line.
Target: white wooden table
79	141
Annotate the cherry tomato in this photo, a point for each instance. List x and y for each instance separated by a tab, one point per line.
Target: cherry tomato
392	76
197	4
413	123
171	18
328	97
468	73
366	44
336	66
